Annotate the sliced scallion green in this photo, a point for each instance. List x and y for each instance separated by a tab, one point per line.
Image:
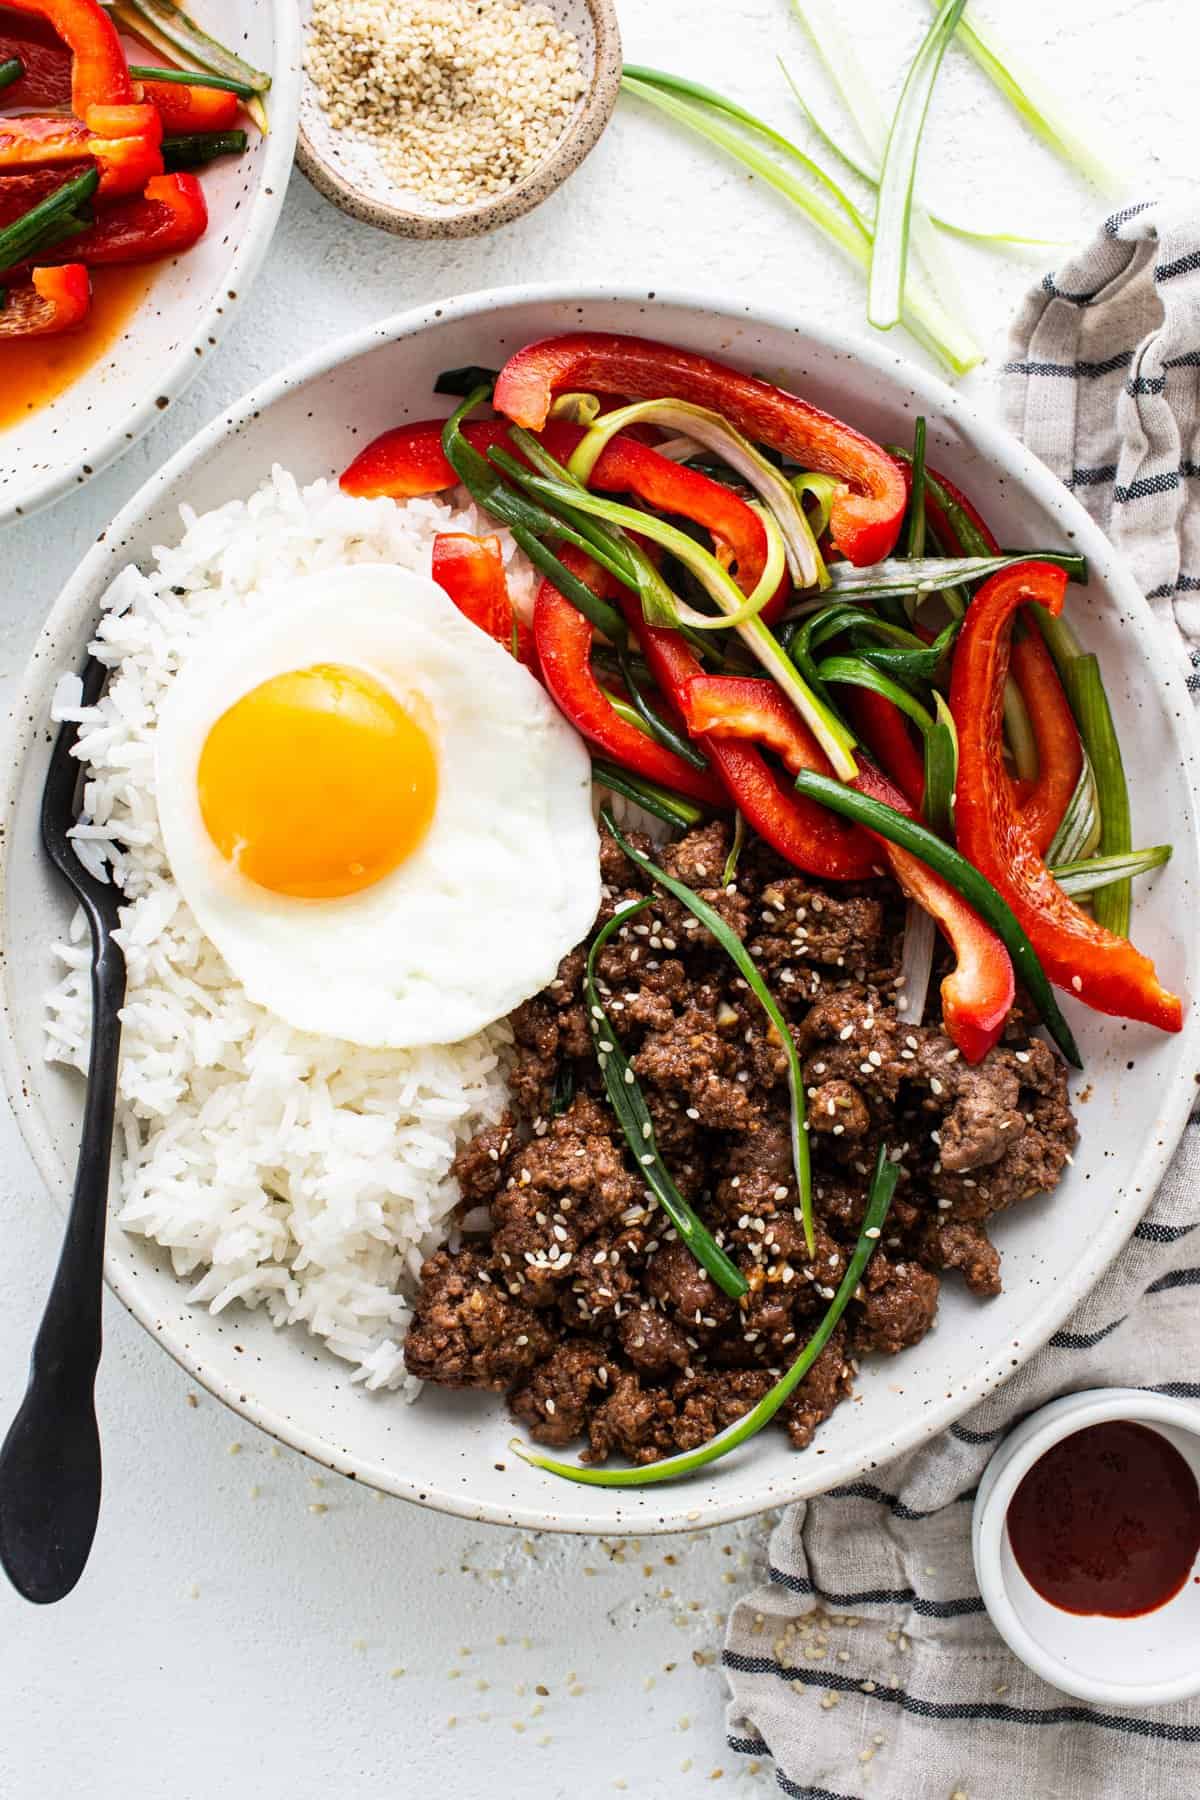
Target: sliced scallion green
924	318
199	78
835	740
1100	872
739	956
709	429
920	576
50	221
729	872
879	1199
869	172
953	867
893	215
193	149
171	24
1089	702
1079	828
629	1104
856	671
941	773
11	69
1018	730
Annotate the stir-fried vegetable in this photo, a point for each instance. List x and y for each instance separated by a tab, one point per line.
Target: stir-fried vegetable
884	1177
740	957
1103	970
842	223
1038	107
61	215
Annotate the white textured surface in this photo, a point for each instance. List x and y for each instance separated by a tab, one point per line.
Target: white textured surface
226	1632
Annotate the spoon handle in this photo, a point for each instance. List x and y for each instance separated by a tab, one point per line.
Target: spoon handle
50	1461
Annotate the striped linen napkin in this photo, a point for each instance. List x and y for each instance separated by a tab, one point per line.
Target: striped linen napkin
867	1667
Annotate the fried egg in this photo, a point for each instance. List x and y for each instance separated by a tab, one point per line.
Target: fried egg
375	813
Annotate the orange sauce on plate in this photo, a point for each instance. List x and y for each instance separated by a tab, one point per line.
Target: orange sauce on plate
34	371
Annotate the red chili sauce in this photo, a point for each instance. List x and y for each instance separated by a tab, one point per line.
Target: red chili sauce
1108	1521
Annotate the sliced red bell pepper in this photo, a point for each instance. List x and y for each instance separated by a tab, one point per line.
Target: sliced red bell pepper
1044	798
167	218
19	194
55	300
563	638
185	108
99	70
45	59
1104	970
885	731
409	461
471	570
867	512
1059	751
977	995
124	141
804	834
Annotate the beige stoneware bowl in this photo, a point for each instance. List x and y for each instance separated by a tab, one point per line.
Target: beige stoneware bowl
350	174
451	1450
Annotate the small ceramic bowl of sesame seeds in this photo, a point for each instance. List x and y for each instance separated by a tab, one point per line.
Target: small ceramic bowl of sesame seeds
446	118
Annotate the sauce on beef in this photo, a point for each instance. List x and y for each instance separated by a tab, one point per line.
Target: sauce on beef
1107	1522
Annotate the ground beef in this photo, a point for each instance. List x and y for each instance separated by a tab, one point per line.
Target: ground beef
586	1308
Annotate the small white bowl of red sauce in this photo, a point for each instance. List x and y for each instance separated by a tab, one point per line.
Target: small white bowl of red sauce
1086	1538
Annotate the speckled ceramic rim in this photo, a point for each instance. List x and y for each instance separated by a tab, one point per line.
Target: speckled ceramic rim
686	1506
572	147
1003	1475
242	268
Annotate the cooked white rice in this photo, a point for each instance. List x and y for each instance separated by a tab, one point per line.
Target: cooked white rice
276	1167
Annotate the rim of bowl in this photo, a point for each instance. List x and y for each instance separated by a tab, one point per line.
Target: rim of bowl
60	640
243	267
1061	1419
559	163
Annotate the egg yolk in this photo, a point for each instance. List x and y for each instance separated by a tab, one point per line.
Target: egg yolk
317	782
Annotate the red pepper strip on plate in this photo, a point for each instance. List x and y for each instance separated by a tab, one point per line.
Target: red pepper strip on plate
977	995
1059	751
471	570
867	513
1105	971
46	61
55	300
124	141
563	638
804	834
885	731
183	108
99	70
410	461
1044	799
19	194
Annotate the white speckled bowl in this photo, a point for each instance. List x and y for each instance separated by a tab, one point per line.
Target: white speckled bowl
192	298
451	1450
349	173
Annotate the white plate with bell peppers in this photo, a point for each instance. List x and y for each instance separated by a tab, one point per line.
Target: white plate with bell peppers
130	345
1133	1094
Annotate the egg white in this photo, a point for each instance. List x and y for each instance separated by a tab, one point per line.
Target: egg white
507	879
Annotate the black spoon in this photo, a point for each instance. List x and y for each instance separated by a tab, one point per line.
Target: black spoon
50	1461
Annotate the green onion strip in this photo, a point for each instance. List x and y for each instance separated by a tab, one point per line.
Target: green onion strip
879	1199
735	950
633	1115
